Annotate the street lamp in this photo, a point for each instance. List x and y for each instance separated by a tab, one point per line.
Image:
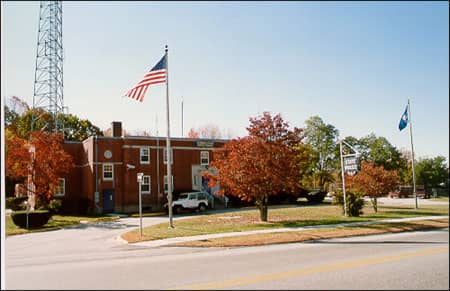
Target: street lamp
139	180
27	204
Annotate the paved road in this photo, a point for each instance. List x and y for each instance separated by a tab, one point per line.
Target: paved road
90	257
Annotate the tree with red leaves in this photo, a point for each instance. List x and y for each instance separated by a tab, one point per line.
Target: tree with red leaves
261	164
374	181
50	162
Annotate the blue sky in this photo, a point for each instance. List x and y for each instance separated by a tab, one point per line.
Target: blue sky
354	64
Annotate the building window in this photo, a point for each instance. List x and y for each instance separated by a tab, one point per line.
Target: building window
204	158
165	156
166	185
60	188
145	185
108	172
145	155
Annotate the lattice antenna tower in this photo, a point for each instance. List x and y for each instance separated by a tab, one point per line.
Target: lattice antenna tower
48	77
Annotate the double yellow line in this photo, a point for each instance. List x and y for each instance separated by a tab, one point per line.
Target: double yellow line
309	271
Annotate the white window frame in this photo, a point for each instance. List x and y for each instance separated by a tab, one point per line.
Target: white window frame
63	184
112	172
141	155
149	183
166	185
206	153
165	156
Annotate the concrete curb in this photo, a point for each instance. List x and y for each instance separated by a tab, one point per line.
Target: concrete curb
168	241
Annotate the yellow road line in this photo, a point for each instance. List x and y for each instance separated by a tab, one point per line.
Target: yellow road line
309	271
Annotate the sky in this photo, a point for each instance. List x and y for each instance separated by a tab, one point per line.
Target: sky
354	64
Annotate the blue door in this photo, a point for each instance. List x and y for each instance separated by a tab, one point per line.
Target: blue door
108	200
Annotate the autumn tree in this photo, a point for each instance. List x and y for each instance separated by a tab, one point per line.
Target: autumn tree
261	164
50	162
374	181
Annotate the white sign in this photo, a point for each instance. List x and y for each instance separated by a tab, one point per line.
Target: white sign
351	164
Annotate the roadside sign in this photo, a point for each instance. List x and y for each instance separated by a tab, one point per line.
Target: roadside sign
350	164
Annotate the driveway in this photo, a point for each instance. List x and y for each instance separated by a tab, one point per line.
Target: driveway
76	242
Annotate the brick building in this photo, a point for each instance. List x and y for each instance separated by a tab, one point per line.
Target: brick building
105	172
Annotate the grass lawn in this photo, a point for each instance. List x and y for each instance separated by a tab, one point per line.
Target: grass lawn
440	198
278	218
56	222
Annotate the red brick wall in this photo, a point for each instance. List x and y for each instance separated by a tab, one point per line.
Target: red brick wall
81	180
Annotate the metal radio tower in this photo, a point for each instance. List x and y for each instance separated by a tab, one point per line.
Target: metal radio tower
48	77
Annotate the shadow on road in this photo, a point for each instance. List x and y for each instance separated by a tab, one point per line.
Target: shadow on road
103	225
375	242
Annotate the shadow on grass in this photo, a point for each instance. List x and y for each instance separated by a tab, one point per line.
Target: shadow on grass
403	214
304	223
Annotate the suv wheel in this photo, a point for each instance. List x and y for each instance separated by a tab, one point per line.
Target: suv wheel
177	209
202	207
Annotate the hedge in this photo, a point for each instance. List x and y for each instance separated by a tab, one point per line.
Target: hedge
36	218
15	203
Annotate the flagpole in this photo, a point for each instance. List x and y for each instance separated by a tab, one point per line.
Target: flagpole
169	158
412	151
182	117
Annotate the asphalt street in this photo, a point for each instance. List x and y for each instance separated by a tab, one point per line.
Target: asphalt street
91	257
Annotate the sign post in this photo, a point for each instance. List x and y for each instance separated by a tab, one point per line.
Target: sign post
349	165
139	180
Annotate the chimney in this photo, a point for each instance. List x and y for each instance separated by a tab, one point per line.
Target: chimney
116	128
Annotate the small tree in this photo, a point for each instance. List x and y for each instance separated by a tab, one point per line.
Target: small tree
354	202
259	165
50	162
374	181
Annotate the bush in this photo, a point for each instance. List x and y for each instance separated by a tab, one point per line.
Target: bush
355	202
54	205
35	218
15	203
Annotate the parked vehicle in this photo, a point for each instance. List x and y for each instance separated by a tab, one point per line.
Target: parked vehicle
407	191
192	201
314	195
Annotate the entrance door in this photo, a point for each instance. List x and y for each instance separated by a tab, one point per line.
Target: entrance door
108	200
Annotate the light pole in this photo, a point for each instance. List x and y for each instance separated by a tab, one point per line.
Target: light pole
139	180
28	211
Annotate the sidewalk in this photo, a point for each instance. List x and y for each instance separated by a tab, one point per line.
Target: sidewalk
168	241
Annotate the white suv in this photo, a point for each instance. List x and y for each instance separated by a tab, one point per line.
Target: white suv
191	201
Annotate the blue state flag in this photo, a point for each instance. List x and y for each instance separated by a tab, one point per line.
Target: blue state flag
404	119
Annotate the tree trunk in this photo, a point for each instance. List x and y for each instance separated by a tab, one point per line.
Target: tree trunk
374	204
263	209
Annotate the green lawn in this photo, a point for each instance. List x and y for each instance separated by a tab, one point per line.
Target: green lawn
440	198
56	222
278	218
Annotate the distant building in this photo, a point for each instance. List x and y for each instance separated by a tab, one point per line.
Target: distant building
105	172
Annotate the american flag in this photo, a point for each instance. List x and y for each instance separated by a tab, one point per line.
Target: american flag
157	75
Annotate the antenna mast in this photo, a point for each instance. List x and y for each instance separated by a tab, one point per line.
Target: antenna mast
48	76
